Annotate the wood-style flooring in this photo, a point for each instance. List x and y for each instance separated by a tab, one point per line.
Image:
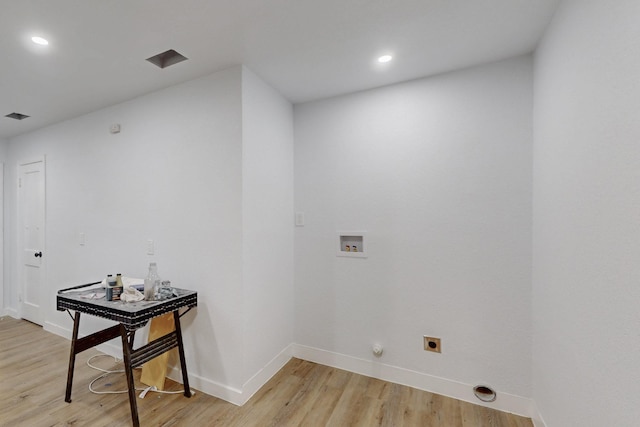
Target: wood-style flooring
33	369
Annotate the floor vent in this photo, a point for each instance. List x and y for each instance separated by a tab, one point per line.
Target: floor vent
484	393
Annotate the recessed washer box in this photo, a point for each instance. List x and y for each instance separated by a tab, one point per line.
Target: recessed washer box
352	244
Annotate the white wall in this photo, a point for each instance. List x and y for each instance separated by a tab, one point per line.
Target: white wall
267	225
174	175
438	172
586	272
3	156
205	169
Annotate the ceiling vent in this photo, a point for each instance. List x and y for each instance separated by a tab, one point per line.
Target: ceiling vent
17	116
165	59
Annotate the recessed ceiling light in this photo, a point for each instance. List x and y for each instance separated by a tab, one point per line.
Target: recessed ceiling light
385	58
39	40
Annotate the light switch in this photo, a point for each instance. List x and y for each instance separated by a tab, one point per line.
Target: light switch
81	239
299	219
150	247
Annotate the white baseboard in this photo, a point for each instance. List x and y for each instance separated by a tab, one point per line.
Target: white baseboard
505	402
57	330
536	417
208	386
106	348
197	382
538	421
11	312
231	394
269	370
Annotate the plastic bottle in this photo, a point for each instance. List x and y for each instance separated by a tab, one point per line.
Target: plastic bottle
152	282
111	283
116	290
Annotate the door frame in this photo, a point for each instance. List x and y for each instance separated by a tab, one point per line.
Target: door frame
19	237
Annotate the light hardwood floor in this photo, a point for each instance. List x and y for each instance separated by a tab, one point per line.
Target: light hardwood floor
33	368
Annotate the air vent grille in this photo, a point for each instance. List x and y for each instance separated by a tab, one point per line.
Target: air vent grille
17	116
165	59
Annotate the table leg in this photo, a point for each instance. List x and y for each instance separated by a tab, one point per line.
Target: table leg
183	362
72	356
132	336
128	369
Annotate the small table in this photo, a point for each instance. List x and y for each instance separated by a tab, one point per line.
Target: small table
130	317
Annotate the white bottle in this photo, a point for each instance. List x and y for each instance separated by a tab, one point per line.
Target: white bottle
151	283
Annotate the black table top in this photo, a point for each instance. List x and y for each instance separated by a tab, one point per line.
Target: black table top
132	315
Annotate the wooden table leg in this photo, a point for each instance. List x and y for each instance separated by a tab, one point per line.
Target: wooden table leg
183	362
72	356
132	336
128	369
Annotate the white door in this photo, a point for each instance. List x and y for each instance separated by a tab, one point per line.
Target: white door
31	196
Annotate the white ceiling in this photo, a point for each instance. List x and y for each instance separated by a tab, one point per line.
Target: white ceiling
306	49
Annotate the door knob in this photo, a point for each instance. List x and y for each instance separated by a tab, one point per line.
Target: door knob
38	254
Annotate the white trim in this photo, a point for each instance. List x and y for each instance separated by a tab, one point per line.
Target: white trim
8	311
112	350
30	162
505	402
106	348
19	237
264	375
230	394
57	330
362	253
536	416
2	238
195	381
210	387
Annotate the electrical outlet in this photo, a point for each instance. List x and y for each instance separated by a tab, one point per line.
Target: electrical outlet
432	344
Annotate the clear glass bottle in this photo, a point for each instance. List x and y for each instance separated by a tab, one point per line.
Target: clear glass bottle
151	283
